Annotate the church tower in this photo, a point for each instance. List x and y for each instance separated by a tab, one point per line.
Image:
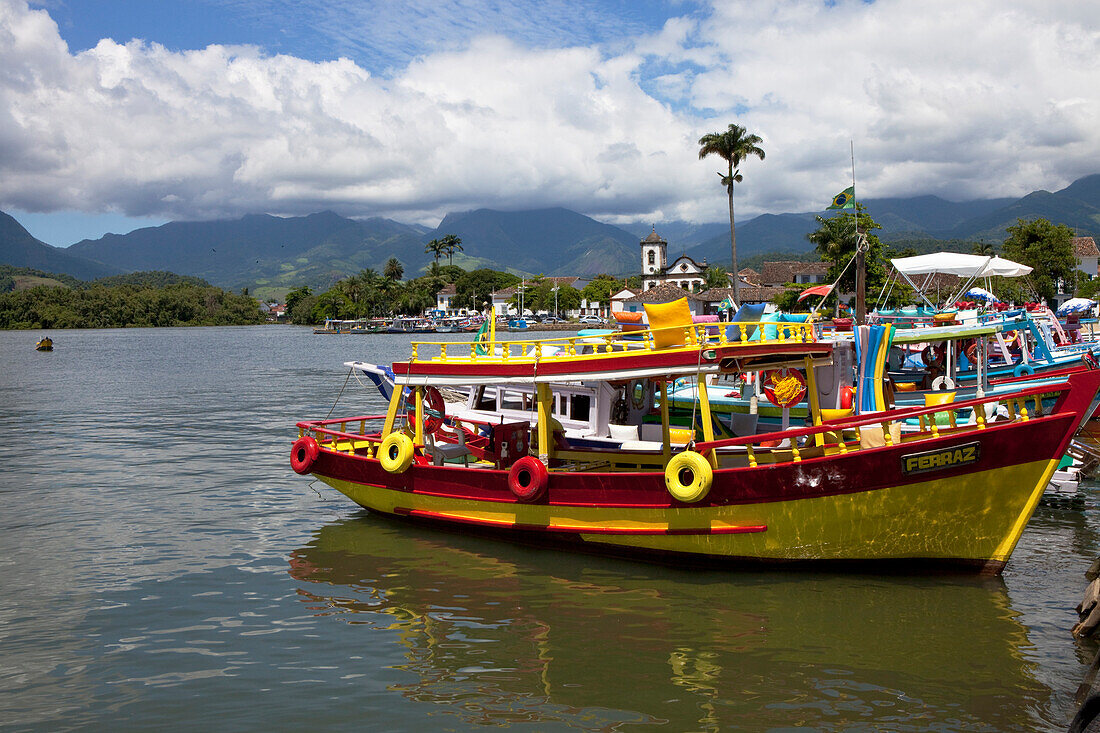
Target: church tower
654	259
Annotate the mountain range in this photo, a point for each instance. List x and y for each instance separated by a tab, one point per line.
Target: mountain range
270	254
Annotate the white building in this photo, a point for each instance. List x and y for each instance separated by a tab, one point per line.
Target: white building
684	272
1084	249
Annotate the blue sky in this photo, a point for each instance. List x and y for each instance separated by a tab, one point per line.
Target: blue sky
378	35
115	115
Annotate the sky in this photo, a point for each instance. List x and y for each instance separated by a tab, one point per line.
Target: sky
127	113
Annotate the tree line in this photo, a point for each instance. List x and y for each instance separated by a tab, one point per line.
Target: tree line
368	294
136	299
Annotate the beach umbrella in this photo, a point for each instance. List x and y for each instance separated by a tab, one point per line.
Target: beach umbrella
982	294
1075	305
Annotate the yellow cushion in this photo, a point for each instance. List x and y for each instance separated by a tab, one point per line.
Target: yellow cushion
680	436
831	414
872	436
663	317
938	398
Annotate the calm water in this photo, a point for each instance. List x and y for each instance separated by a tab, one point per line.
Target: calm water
161	567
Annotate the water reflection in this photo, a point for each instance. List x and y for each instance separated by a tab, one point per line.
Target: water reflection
500	634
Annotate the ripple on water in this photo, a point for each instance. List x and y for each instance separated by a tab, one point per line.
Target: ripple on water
163	567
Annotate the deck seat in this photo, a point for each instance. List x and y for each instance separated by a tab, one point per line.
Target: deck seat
442	451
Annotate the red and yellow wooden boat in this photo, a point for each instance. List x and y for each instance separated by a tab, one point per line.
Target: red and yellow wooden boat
849	491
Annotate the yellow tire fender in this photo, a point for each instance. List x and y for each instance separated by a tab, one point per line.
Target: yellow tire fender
688	476
396	453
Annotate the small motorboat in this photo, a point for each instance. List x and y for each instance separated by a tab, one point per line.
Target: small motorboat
46	344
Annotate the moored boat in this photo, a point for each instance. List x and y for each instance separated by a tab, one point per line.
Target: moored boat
853	490
45	344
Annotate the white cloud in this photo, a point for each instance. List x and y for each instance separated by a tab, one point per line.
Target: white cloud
967	100
979	99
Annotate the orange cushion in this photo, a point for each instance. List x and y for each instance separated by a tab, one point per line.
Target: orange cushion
628	316
664	318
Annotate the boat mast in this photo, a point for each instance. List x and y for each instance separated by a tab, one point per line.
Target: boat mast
861	265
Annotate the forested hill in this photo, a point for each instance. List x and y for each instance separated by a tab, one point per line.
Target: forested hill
137	299
271	255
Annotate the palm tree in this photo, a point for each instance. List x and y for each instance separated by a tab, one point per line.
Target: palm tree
732	146
833	240
436	247
984	248
451	244
394	270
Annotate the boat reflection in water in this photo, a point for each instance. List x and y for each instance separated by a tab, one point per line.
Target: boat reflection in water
499	634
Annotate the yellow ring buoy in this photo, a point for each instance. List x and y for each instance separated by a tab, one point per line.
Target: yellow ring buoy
396	453
688	476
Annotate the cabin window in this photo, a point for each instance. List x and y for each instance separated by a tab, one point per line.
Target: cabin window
486	399
510	400
581	406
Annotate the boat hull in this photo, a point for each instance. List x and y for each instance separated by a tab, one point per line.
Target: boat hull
860	507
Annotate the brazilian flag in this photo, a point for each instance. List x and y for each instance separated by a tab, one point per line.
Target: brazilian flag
482	337
846	199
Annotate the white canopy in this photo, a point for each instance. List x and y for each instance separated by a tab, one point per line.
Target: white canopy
958	263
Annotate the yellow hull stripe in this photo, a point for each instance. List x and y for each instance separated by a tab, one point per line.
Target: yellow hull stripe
977	516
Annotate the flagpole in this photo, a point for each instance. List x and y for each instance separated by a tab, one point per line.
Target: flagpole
861	265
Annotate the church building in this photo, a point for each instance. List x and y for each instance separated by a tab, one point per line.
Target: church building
684	272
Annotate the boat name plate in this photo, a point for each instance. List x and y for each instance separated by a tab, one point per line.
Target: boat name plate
941	459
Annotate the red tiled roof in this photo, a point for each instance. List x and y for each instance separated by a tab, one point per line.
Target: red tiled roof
663	293
748	294
779	273
1085	247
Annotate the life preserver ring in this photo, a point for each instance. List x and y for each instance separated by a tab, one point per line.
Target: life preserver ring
1009	337
939	384
637	393
688	476
1023	370
971	353
527	479
396	453
434	409
303	453
784	387
932	356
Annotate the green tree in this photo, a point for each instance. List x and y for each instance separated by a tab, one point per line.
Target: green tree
394	270
475	289
436	248
733	146
1048	249
451	244
601	288
835	242
295	295
984	248
716	277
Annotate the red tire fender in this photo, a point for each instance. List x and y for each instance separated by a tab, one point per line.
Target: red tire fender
303	454
527	479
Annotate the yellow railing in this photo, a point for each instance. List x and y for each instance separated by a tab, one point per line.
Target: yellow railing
690	337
